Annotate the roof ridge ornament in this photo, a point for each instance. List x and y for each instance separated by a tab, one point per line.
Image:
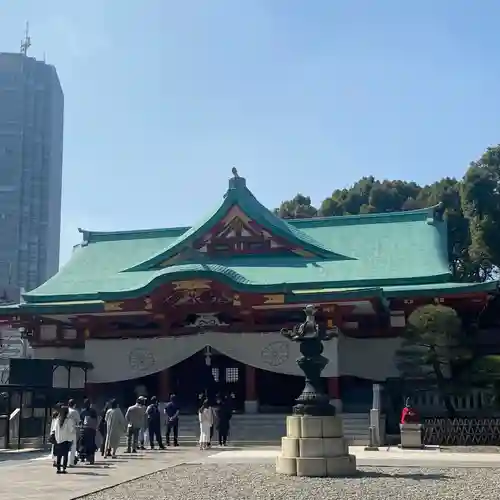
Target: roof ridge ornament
237	182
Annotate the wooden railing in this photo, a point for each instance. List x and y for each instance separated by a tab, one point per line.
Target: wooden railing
431	403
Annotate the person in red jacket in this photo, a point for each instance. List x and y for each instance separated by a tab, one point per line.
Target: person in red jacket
409	415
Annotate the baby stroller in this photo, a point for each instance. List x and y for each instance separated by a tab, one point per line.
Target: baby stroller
86	445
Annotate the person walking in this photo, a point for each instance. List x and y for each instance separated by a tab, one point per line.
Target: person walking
172	411
88	422
74	416
115	428
206	418
224	413
102	428
154	424
55	415
135	417
143	431
62	433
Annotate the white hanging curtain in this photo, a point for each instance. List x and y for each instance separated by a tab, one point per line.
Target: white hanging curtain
123	359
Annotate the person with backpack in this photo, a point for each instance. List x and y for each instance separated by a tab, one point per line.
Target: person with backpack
154	416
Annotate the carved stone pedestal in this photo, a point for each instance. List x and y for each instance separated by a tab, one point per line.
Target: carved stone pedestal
315	447
411	436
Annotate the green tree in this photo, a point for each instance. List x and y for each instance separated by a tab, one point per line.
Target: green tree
434	346
299	207
480	199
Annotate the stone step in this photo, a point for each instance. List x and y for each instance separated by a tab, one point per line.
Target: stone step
257	428
271	428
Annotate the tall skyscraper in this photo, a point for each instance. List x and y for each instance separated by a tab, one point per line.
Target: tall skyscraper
31	147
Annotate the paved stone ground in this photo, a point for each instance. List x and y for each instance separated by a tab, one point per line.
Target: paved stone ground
23	454
36	479
260	482
233	473
471	449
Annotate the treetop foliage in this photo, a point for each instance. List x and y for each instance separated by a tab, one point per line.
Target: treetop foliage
472	210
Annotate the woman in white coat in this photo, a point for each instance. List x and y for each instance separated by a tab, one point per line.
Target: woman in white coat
206	418
62	432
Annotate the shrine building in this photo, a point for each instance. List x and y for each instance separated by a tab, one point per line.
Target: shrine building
188	309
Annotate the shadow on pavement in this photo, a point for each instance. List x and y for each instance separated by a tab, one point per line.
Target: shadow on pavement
86	473
21	455
417	476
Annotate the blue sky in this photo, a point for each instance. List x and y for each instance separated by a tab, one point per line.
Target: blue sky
164	97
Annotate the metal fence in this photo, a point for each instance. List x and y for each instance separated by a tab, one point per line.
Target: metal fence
25	413
462	431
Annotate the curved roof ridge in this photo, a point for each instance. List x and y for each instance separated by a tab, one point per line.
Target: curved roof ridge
429	212
276	221
90	236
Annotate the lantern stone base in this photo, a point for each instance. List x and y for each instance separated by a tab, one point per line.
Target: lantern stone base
411	436
315	447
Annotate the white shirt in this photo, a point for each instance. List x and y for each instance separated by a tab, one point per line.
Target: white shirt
64	432
74	416
206	416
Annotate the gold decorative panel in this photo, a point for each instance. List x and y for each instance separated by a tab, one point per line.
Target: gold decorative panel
274	299
192	285
113	306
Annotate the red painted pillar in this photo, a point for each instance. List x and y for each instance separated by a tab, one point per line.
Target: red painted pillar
164	385
251	400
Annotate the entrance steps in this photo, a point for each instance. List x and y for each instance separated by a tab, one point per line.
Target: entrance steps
249	429
270	428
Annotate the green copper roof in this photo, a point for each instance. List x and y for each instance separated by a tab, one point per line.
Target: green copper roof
351	252
238	194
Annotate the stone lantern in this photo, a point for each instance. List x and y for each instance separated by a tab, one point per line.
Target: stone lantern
314	445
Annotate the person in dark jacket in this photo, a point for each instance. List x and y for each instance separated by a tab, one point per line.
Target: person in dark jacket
172	414
89	421
103	429
223	415
153	416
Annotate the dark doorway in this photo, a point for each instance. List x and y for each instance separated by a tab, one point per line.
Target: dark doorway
229	377
278	392
357	394
200	375
129	390
189	379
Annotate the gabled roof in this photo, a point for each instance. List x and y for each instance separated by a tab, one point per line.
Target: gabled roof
403	249
238	195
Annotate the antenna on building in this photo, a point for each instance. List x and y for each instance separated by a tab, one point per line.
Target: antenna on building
26	42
